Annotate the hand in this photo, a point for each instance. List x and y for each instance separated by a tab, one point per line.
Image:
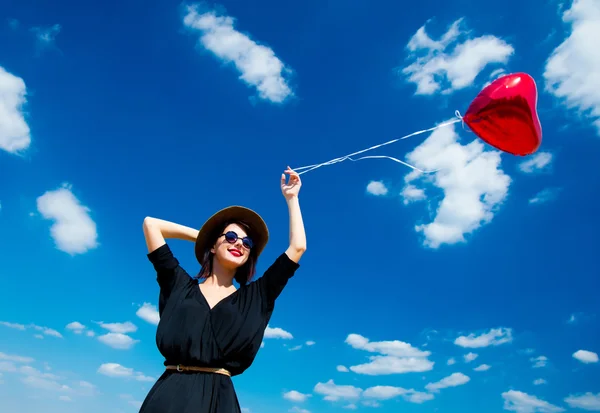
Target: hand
292	187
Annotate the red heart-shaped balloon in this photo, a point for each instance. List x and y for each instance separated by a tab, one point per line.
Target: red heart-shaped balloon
504	114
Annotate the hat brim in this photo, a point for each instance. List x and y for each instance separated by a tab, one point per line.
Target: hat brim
208	231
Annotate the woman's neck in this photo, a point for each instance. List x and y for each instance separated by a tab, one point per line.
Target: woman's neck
220	277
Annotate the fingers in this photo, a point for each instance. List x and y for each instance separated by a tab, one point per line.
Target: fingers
294	177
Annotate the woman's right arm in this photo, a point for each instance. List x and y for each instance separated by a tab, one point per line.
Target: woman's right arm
156	230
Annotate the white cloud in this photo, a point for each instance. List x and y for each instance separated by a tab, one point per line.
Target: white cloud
539	361
16	326
572	71
310	343
471	179
383	392
121	328
118	341
453	380
411	193
342	369
392	348
117	337
295	396
45	331
469	357
377	188
380	365
14	131
297	409
482	367
587	401
15	358
76	327
417	397
73	230
545	195
586	356
276	332
396	357
454	61
45	380
118	371
494	337
451	361
537	382
115	370
334	392
390	392
258	65
520	402
536	163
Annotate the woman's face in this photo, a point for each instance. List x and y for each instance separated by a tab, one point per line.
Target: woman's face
232	252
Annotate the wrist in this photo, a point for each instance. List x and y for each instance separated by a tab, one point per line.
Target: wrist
292	200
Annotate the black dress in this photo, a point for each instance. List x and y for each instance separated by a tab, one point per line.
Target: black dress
190	333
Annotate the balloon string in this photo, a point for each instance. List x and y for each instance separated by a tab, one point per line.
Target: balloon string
309	168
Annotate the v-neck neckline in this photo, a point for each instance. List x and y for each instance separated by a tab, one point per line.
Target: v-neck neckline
210	309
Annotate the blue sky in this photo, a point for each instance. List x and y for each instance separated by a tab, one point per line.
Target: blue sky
470	289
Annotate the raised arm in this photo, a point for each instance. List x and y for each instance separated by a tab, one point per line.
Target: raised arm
290	191
276	277
156	230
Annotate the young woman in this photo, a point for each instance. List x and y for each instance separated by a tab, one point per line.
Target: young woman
210	331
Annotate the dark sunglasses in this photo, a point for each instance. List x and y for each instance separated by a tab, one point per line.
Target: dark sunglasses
231	237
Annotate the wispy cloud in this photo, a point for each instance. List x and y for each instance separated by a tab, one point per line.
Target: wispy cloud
116	370
544	196
494	337
258	65
586	401
520	402
469	357
46	37
454	61
118	337
296	396
571	71
539	361
42	330
453	380
536	163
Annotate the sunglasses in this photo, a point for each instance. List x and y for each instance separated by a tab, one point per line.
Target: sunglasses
231	237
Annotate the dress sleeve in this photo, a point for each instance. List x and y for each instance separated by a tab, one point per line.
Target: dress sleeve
273	281
169	273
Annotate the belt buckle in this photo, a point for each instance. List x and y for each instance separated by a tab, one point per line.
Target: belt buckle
179	369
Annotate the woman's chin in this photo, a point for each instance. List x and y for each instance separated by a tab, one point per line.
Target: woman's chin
231	262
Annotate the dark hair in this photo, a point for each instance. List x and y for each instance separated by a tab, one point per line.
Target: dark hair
244	274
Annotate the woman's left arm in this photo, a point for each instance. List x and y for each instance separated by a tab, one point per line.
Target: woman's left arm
290	191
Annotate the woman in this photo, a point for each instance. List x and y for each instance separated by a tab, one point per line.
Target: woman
211	331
